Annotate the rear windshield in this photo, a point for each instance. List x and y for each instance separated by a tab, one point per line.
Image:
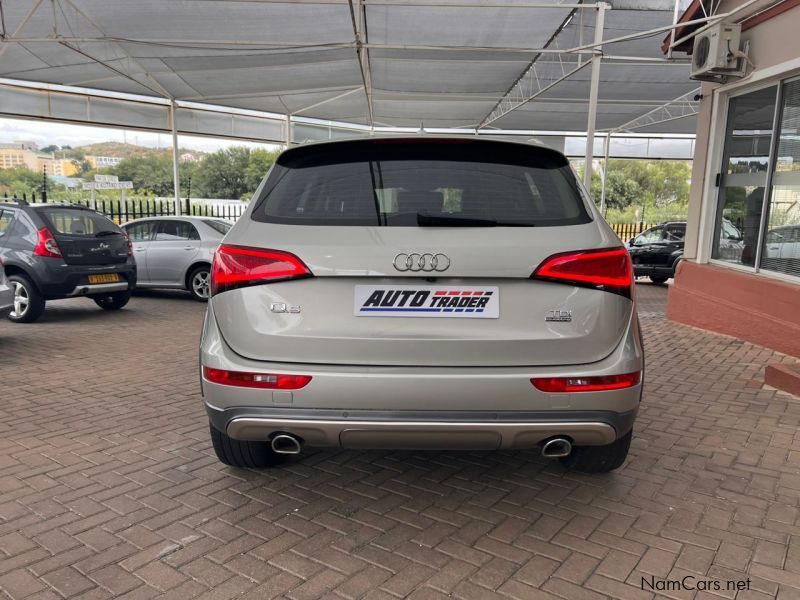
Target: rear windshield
419	183
74	221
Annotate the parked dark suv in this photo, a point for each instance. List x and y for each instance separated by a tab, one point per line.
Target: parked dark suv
656	252
53	251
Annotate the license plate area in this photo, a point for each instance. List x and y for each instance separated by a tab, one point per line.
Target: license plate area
448	301
104	278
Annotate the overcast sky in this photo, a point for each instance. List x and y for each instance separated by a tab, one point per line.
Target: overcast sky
47	133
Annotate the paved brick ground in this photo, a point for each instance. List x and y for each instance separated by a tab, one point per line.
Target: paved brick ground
108	486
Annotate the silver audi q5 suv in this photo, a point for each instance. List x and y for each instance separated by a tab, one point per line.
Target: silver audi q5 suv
422	293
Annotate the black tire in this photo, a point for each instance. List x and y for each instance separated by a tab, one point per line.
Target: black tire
198	290
599	459
238	453
113	300
658	279
34	306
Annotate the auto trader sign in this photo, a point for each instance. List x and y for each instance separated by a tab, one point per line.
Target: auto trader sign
107	182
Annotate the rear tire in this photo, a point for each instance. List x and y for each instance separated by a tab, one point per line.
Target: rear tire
658	279
198	282
599	459
112	301
239	453
28	302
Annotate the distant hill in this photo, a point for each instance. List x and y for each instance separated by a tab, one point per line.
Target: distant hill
120	150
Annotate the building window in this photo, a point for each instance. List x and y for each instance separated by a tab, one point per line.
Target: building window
781	249
757	220
743	179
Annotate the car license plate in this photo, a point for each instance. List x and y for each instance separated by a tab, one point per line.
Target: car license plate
461	301
104	278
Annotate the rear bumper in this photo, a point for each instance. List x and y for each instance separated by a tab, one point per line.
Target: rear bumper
58	280
430	429
647	270
421	407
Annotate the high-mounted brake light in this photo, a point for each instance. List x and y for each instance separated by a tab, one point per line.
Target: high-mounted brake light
46	244
239	266
600	383
265	381
606	269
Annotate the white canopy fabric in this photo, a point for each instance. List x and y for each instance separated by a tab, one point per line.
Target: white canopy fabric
431	63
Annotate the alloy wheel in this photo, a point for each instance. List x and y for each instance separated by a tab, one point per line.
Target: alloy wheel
21	300
200	284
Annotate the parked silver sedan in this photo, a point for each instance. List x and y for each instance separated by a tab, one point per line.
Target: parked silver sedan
176	252
6	293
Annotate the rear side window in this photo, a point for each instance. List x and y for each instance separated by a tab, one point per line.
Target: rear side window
71	221
6	216
168	231
222	227
140	232
411	182
675	233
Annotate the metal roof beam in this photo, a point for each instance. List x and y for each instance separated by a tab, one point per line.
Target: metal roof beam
681	107
506	104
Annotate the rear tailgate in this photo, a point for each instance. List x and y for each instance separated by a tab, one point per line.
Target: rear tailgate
344	260
86	237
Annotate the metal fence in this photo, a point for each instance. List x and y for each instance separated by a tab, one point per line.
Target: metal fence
120	210
626	231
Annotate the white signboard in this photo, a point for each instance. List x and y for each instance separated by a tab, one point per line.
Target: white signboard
110	185
106	178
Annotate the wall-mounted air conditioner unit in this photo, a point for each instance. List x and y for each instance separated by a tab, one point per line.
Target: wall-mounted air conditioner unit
716	55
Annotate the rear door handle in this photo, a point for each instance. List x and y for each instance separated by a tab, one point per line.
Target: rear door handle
188	247
140	249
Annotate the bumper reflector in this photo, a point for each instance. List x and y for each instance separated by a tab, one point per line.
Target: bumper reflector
267	381
599	383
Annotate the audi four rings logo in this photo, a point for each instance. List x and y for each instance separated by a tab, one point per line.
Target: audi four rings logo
421	262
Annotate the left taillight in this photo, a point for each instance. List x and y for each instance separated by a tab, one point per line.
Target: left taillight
46	244
597	383
268	381
607	269
241	266
129	243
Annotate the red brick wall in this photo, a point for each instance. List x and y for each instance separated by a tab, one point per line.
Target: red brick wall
752	307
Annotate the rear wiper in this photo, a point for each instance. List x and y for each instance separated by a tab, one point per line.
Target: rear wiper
429	220
107	232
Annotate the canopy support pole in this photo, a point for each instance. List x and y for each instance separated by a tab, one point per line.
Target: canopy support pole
594	88
606	152
175	177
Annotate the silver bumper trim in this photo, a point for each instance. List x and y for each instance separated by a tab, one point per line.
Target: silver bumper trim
98	288
421	434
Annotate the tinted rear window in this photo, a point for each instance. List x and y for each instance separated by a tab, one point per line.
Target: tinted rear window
222	227
74	221
448	183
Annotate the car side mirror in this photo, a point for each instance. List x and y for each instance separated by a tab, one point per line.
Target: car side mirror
630	242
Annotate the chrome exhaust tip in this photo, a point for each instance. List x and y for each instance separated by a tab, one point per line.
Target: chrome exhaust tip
284	443
557	447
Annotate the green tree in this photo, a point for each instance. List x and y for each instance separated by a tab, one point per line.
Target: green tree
150	174
646	185
21	180
222	174
260	163
621	191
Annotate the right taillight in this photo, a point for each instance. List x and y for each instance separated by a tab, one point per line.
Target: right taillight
607	269
240	266
597	383
46	244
